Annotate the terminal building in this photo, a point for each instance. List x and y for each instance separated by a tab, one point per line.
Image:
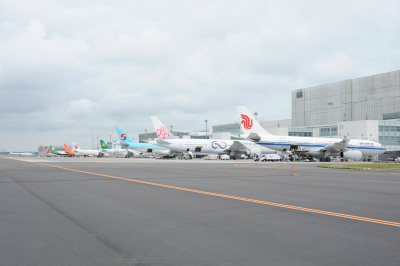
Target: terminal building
363	108
201	134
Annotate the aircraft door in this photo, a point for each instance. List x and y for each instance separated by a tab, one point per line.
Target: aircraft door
149	150
198	149
294	147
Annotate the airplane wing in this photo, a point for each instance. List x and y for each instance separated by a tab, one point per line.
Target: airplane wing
238	146
162	142
134	152
339	146
254	137
123	144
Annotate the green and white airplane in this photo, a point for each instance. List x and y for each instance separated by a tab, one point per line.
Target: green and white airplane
106	149
54	151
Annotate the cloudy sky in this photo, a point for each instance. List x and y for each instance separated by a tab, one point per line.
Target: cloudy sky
73	70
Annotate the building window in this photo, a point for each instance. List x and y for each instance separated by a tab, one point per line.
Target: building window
199	137
324	132
391	116
300	132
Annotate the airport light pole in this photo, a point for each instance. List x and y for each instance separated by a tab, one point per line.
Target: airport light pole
330	122
171	128
146	134
255	114
93	143
97	144
206	127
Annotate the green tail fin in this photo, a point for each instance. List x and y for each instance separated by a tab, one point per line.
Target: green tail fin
52	150
104	145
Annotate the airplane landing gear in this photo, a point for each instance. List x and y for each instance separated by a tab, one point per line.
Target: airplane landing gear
326	159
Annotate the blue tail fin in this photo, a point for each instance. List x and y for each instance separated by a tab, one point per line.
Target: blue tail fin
123	137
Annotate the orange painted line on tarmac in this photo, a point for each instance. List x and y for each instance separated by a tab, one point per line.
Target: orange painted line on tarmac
352	217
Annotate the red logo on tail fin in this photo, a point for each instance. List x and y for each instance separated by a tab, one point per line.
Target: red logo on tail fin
163	132
247	122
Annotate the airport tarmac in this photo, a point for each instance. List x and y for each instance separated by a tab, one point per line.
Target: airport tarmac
106	211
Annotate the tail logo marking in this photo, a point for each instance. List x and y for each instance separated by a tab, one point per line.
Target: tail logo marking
221	145
163	132
103	145
123	136
76	146
247	122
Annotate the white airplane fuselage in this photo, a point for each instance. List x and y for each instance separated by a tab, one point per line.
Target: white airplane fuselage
313	146
86	152
20	153
207	146
115	151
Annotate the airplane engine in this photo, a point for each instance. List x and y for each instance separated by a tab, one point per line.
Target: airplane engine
352	155
253	152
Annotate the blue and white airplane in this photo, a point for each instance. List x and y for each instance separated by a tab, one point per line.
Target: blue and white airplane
321	148
140	148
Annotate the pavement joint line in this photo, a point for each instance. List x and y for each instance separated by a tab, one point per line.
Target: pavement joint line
352	217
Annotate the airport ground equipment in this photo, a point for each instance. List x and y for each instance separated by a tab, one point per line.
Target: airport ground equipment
270	157
211	157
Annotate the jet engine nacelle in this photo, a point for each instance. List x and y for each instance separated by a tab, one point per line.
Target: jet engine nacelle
253	152
353	155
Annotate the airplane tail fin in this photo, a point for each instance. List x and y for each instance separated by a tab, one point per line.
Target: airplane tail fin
123	137
248	123
104	145
75	146
161	130
66	148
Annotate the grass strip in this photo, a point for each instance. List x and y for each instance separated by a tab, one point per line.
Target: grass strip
372	166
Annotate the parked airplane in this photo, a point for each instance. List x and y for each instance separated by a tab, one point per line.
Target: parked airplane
321	148
20	153
85	153
68	151
140	148
206	146
49	153
106	149
54	151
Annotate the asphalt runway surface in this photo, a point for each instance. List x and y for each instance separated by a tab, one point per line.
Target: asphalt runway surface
75	211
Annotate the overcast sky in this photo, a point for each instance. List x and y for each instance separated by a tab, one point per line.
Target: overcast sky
73	70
